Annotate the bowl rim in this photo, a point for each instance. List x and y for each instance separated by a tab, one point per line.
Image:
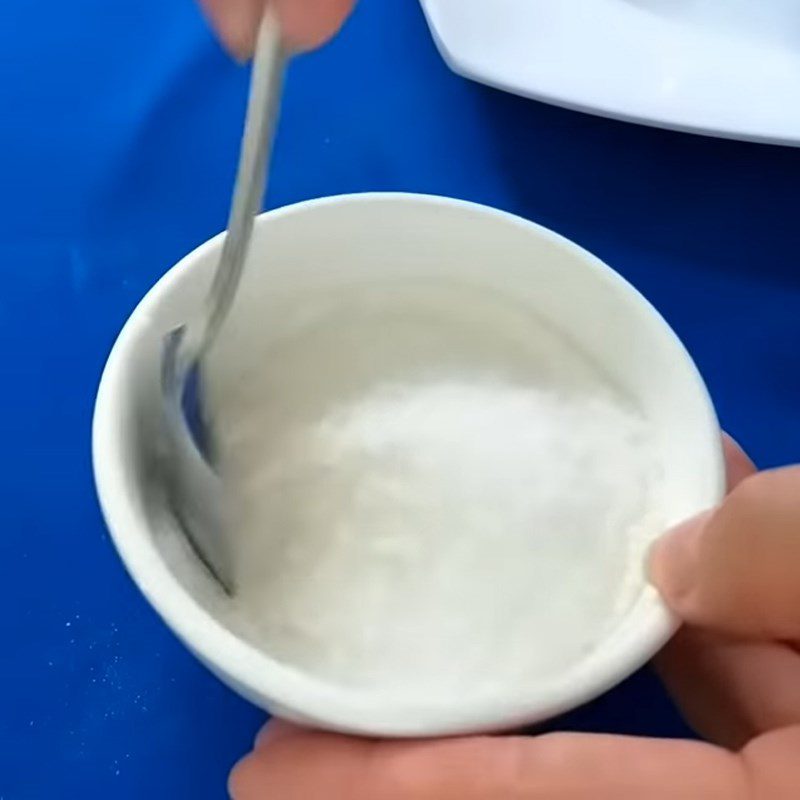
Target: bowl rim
285	688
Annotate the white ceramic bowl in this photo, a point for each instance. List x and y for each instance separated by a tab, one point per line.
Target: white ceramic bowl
352	239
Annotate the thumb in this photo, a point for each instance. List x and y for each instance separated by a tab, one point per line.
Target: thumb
302	765
737	569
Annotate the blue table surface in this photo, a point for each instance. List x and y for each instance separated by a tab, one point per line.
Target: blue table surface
117	151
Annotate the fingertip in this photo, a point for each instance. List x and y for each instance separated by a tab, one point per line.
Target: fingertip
674	560
739	465
264	736
273	731
243	778
236	23
310	23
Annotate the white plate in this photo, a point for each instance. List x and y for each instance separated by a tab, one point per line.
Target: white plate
719	67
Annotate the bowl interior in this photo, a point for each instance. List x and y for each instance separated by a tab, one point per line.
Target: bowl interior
358	241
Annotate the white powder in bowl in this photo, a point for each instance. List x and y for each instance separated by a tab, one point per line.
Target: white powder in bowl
438	494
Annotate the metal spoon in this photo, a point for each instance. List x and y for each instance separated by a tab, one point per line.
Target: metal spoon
193	487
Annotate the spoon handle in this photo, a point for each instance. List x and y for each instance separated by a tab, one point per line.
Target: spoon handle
266	86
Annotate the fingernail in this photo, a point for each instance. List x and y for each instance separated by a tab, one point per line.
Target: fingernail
674	558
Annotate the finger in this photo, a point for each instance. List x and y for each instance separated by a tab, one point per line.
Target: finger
738	467
310	23
771	765
274	730
710	677
739	571
236	22
306	23
731	691
738	464
317	766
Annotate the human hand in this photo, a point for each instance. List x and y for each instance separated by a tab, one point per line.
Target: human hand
306	23
734	577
